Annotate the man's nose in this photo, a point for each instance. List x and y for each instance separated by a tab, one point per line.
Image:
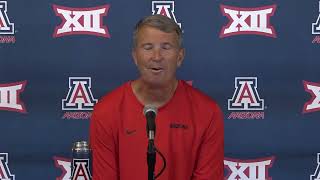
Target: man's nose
157	54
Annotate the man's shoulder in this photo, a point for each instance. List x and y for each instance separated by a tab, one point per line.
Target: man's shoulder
112	98
206	108
198	97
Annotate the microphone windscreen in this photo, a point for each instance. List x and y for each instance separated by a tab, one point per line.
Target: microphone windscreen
149	108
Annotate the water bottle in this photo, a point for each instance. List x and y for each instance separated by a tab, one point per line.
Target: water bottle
81	165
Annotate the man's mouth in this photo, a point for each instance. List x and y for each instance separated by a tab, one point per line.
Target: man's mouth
156	69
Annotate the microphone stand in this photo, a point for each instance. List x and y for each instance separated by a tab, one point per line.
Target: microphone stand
151	159
150	113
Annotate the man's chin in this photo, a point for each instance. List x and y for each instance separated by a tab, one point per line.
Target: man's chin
156	83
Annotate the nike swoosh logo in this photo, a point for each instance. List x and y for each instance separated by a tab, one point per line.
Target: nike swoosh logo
130	132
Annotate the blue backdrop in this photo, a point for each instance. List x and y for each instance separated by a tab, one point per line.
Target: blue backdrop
257	58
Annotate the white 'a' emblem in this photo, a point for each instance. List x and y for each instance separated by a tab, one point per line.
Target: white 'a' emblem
81	169
316	175
79	96
246	96
316	25
5	173
165	8
6	27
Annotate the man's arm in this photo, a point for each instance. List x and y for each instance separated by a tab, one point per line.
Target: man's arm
103	144
209	164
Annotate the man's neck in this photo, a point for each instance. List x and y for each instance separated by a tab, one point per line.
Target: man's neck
153	95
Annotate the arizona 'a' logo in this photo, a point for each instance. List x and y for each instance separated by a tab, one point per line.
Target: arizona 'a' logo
81	169
316	175
165	8
316	29
6	27
10	97
79	96
65	166
316	25
248	21
81	21
314	103
246	96
5	173
253	169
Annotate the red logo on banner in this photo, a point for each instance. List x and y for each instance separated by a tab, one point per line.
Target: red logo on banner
316	29
314	103
79	96
79	99
5	173
248	169
81	169
248	21
6	27
165	8
65	165
10	96
316	25
81	21
316	175
246	98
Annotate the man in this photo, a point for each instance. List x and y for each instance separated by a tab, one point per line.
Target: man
189	124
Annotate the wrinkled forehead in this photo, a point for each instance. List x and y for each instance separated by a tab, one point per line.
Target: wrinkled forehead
151	33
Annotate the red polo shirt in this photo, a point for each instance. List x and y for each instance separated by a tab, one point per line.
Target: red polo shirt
189	134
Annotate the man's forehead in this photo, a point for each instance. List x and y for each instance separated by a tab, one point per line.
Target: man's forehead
151	33
149	28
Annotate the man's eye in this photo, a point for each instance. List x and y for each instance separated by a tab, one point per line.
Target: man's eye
147	46
167	46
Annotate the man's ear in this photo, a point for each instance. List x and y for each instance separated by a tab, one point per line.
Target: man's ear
180	56
134	56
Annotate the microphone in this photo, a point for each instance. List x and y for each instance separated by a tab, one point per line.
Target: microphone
150	113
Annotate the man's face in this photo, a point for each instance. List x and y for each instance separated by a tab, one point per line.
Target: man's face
157	56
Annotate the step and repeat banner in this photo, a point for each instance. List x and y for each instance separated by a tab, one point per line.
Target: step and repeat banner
259	59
